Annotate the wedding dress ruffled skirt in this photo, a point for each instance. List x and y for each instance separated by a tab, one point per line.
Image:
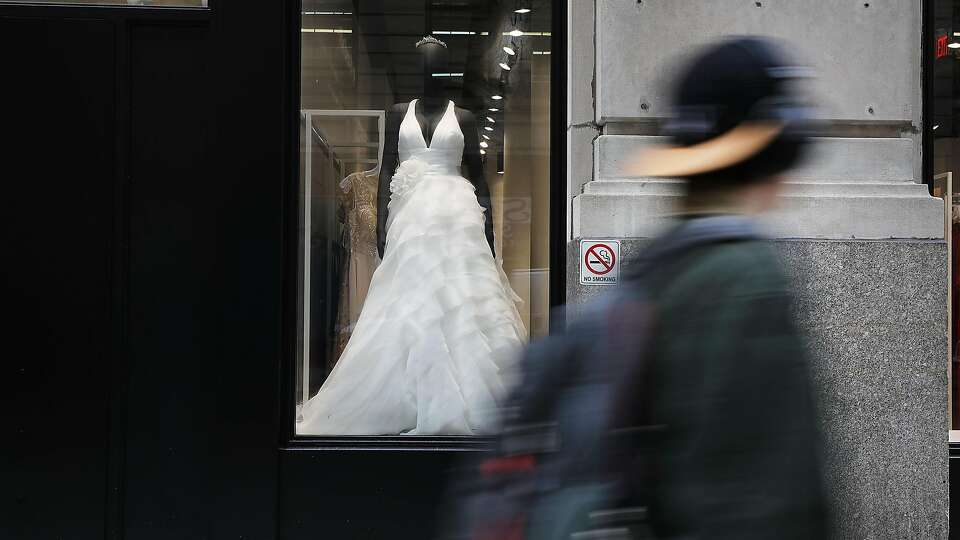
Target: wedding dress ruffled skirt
433	348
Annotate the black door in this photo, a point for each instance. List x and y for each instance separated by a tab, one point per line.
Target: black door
143	165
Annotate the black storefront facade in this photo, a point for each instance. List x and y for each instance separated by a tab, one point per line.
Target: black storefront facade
155	165
155	261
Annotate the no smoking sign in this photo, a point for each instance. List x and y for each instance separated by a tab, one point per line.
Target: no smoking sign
599	262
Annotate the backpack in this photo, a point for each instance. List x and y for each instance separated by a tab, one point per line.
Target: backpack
571	431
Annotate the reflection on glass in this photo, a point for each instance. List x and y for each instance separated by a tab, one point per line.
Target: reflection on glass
425	178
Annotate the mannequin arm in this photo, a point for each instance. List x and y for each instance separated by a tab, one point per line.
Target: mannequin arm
474	168
387	168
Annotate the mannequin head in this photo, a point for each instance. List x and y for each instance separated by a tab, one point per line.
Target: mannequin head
434	60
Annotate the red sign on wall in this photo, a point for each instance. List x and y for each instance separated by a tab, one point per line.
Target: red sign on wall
942	43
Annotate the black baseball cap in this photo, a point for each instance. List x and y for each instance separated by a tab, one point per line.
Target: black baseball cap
735	103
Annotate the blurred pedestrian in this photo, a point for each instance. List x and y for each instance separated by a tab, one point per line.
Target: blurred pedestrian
727	376
681	405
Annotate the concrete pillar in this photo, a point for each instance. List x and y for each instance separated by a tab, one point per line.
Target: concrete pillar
858	228
581	128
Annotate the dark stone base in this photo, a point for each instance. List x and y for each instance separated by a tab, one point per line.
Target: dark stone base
875	313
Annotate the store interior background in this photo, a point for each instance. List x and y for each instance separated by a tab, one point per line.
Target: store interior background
361	55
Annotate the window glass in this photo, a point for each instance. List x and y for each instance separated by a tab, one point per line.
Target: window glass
946	165
424	216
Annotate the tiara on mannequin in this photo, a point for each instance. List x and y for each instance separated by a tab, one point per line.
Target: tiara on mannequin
431	39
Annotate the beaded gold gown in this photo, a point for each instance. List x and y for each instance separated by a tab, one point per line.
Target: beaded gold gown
358	199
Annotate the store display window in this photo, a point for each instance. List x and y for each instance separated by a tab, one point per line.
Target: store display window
424	219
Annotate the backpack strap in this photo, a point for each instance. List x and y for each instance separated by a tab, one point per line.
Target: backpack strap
631	325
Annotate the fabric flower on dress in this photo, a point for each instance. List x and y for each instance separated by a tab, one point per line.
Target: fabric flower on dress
408	175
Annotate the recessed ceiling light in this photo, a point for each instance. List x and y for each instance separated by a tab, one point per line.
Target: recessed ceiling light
326	31
509	50
515	33
485	136
934	127
483	144
504	66
488	128
493	109
954	45
499	172
522	10
491	120
483	152
496	97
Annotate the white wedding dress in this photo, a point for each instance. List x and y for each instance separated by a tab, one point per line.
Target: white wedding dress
439	331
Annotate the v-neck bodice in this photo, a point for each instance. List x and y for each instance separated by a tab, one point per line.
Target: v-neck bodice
445	150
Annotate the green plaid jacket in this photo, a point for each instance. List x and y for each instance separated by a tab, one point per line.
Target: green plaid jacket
730	382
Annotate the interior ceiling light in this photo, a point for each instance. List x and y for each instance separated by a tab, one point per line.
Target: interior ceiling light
493	109
504	66
496	97
483	144
522	10
518	33
509	50
954	45
488	128
326	30
541	52
459	33
934	127
328	13
483	152
491	120
487	137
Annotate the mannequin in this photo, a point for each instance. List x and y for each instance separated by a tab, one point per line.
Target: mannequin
433	348
429	112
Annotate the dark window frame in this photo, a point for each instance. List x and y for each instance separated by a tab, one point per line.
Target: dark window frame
558	246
